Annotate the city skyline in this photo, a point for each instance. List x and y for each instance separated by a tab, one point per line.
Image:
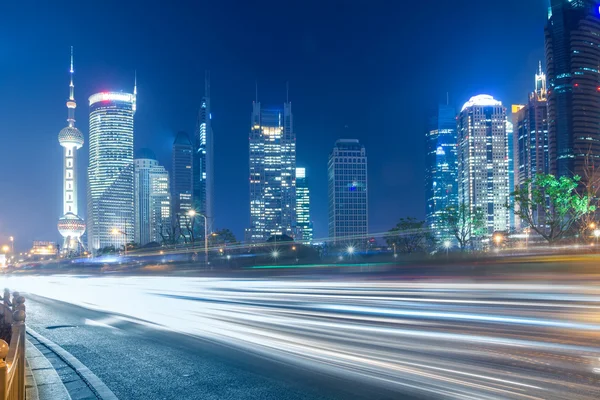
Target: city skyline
321	122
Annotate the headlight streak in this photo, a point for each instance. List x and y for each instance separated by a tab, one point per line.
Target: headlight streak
448	339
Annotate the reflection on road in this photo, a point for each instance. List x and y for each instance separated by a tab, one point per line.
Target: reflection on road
443	339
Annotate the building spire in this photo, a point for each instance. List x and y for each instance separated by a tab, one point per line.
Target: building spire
71	86
71	103
540	68
134	102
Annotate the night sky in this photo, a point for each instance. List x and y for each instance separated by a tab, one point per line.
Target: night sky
356	69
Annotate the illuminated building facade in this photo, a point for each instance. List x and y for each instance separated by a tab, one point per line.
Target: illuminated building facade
152	199
531	138
482	149
70	225
204	162
572	55
272	173
347	184
110	170
182	183
441	168
511	170
43	248
304	229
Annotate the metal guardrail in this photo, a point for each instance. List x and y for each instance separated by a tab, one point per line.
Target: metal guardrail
12	357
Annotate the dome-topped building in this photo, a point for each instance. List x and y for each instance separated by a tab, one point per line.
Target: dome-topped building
71	226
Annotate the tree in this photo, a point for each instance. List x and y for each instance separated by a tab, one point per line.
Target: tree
221	237
557	199
170	233
589	186
463	223
409	236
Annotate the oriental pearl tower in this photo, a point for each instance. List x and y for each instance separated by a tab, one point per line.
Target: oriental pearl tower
71	226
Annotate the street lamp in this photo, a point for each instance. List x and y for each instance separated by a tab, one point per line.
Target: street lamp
116	231
498	239
350	250
597	235
192	214
5	248
447	245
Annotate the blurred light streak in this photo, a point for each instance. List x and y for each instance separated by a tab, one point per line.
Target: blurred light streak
450	339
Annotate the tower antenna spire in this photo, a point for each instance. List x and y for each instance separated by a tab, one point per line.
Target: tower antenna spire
71	85
287	92
256	89
134	102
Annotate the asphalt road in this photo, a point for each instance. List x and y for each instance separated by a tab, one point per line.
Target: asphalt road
197	338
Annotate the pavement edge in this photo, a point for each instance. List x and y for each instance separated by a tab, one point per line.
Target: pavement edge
84	372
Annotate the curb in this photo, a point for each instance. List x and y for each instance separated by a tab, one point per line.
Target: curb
42	380
101	390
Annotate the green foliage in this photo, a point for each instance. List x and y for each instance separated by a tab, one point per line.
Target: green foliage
550	205
222	237
464	224
410	236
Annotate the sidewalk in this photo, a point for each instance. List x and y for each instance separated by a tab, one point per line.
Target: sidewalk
54	374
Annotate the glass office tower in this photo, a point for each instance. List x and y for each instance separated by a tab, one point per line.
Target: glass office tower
441	168
110	171
482	152
304	230
272	173
572	55
348	200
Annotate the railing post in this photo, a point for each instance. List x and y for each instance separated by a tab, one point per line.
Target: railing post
14	300
18	329
3	369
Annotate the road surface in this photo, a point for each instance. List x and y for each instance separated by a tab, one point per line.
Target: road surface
200	338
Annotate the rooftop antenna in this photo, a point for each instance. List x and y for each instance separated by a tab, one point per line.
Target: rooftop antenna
287	92
133	103
256	84
71	85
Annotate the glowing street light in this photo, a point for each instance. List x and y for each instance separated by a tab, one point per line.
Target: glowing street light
192	214
597	235
350	250
116	231
5	248
447	245
275	254
498	239
593	225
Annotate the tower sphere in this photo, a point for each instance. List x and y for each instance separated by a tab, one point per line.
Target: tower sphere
70	136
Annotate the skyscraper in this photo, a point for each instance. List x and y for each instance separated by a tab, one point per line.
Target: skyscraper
272	173
110	170
182	182
348	200
572	54
304	230
482	160
152	198
531	137
71	226
441	168
511	170
204	161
